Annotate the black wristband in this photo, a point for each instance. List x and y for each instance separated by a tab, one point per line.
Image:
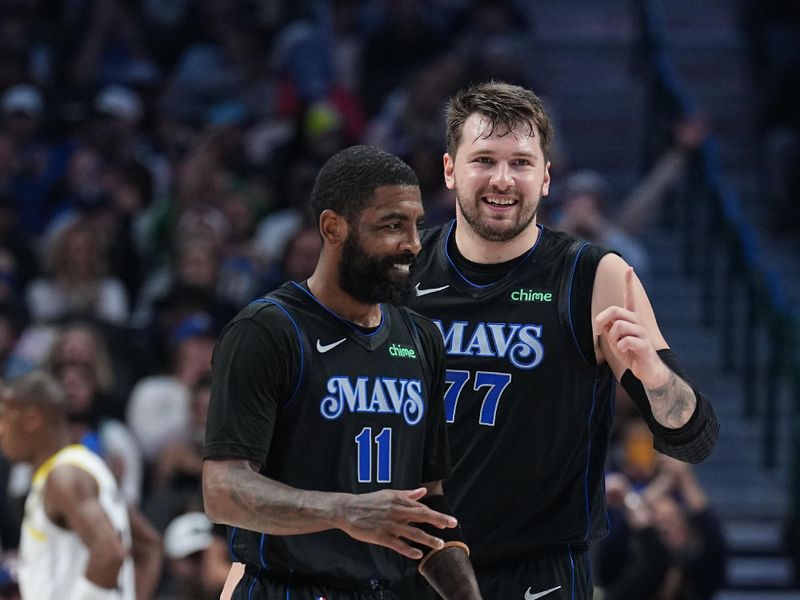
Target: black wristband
696	439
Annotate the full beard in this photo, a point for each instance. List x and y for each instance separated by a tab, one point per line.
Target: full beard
369	279
496	230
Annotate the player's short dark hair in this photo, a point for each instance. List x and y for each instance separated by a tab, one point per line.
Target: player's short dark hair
37	388
346	183
509	107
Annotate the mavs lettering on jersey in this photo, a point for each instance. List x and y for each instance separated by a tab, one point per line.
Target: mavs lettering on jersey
522	344
377	395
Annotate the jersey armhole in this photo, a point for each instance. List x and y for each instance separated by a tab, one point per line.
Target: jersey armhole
577	332
300	345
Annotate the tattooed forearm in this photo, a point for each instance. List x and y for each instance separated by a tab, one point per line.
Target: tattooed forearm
239	496
673	403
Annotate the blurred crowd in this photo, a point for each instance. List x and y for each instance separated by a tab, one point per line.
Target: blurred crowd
156	159
771	29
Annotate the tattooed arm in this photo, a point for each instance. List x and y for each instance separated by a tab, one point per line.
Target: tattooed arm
673	403
235	493
629	340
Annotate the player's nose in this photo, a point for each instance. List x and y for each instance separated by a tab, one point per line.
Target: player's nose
501	178
412	242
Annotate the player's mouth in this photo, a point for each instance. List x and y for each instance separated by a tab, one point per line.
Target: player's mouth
499	202
401	264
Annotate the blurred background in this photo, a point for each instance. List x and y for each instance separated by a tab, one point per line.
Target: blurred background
156	159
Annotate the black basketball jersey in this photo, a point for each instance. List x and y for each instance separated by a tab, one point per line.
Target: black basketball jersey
324	406
528	409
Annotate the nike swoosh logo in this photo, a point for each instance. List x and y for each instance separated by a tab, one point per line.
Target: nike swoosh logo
426	291
529	596
323	349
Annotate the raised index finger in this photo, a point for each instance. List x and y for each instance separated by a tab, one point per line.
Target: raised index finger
628	297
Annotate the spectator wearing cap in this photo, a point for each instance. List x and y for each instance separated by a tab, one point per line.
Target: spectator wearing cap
116	131
21	105
197	560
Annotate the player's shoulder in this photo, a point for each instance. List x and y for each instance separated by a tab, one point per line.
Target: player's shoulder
281	301
430	236
274	312
72	469
426	328
563	243
419	320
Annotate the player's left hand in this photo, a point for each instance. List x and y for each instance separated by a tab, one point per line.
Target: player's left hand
629	341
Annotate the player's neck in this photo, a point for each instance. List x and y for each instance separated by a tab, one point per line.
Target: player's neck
333	297
477	249
47	447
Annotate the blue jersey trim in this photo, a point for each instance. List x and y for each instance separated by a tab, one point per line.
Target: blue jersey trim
473	284
588	462
299	341
250	591
569	301
231	551
612	406
261	558
572	572
337	317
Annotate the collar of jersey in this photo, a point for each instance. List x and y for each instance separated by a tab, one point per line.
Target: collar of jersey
44	469
477	288
368	340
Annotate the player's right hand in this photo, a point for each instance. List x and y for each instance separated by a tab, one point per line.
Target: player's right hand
385	518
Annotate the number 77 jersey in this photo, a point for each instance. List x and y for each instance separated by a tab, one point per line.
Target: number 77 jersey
528	409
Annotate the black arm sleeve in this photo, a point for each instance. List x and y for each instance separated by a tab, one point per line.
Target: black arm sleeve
691	443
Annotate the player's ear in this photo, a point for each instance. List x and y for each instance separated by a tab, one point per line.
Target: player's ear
546	180
449	168
332	227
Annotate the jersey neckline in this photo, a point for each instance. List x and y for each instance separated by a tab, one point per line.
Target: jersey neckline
369	340
476	289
